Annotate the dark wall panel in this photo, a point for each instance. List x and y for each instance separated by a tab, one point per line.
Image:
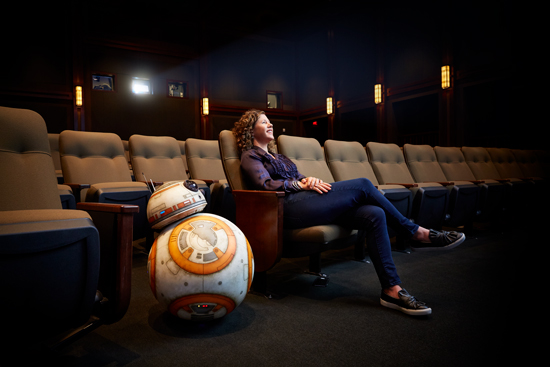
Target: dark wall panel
125	113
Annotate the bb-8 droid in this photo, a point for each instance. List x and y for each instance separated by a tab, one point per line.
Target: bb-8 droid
201	265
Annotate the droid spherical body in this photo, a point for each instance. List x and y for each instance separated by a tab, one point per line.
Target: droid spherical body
200	267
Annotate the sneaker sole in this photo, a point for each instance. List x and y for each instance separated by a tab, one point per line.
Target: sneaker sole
422	312
436	248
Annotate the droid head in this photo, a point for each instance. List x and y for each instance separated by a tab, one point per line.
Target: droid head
173	201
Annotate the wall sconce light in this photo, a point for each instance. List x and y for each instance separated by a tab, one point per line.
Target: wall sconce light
329	106
446	77
205	108
78	96
378	93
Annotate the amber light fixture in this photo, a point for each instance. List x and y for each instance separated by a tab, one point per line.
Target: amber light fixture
205	107
378	93
446	77
329	106
78	96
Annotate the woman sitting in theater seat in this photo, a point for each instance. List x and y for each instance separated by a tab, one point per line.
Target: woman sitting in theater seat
309	201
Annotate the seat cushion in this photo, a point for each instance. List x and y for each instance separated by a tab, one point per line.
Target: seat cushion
318	234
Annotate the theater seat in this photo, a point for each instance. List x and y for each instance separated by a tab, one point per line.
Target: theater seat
204	161
463	195
57	285
268	240
95	166
482	166
491	195
430	199
529	163
348	160
157	159
309	157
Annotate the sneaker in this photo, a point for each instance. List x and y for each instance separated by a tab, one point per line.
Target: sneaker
406	303
440	240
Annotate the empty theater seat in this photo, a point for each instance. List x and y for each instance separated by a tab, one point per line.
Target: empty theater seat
95	164
529	163
482	166
57	284
491	195
158	159
430	200
204	162
463	195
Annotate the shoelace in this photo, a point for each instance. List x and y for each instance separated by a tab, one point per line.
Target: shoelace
414	303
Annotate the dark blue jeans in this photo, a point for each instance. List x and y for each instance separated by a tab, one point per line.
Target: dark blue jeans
359	205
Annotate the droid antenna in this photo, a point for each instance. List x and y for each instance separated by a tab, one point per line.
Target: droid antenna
152	186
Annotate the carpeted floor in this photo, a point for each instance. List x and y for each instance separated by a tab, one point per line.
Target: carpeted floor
342	324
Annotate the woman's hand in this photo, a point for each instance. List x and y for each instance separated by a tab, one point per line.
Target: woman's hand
313	183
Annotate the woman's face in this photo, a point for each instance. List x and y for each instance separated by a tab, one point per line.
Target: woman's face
263	130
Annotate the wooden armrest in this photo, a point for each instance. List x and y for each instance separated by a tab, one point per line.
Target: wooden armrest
108	208
444	183
259	214
407	185
502	180
477	181
115	226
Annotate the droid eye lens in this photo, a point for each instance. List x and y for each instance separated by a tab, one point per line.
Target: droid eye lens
191	185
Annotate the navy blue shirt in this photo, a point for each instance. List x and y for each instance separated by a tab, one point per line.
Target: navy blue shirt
264	172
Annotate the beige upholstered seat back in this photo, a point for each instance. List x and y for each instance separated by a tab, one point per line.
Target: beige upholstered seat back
27	169
156	157
452	163
92	157
528	162
231	160
307	154
480	163
348	160
388	163
505	162
203	159
422	163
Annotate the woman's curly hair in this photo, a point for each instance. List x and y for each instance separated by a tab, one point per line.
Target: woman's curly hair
243	131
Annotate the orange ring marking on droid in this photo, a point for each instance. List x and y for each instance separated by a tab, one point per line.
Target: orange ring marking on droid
152	259
250	262
183	261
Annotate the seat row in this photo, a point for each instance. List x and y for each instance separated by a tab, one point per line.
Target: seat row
435	187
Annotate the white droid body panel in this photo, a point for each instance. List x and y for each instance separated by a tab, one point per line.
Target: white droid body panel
201	267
